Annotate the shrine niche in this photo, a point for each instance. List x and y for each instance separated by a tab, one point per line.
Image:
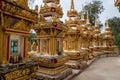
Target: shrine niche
15	28
16	20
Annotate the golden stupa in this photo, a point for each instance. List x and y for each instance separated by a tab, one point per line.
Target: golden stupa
108	41
97	39
71	40
50	33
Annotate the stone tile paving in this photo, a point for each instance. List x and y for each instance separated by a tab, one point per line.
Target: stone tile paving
102	69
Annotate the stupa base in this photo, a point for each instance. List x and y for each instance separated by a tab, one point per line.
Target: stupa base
112	54
59	76
74	64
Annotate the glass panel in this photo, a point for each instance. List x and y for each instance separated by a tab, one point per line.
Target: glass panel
14	46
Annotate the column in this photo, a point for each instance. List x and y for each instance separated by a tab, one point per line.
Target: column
24	53
39	45
8	48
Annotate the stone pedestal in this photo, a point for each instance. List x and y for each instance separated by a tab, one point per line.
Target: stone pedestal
51	67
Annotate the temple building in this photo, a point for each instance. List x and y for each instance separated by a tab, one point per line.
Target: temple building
15	30
16	20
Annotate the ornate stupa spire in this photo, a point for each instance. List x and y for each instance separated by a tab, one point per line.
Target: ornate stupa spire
97	34
73	16
72	4
107	24
88	19
72	12
82	14
96	23
96	28
108	38
108	32
82	20
49	1
51	8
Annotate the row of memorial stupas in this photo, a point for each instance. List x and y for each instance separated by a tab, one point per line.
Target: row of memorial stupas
76	41
84	41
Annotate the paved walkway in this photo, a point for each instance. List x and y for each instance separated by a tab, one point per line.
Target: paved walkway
102	69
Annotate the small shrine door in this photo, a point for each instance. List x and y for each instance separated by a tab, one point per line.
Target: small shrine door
59	47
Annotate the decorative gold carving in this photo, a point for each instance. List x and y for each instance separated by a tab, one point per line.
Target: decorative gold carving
10	9
41	18
83	14
55	19
52	71
42	33
21	25
16	74
53	10
22	3
34	46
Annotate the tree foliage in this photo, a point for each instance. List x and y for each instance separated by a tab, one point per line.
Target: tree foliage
114	23
32	38
117	40
119	8
93	8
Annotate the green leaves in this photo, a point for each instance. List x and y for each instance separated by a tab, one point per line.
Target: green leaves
117	40
32	38
93	8
114	23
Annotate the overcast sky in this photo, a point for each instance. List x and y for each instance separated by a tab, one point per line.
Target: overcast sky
109	12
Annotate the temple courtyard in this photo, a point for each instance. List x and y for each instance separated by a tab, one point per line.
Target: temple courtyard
102	69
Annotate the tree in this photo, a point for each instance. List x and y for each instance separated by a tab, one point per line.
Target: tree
118	7
114	23
93	8
32	38
117	40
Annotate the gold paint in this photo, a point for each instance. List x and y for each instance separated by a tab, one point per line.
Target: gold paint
72	4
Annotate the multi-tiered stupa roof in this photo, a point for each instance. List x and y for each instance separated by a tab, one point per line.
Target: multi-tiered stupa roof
108	33
51	8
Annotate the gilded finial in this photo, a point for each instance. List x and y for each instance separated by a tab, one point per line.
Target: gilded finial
107	23
96	23
22	3
82	14
72	4
36	8
40	6
45	5
88	19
